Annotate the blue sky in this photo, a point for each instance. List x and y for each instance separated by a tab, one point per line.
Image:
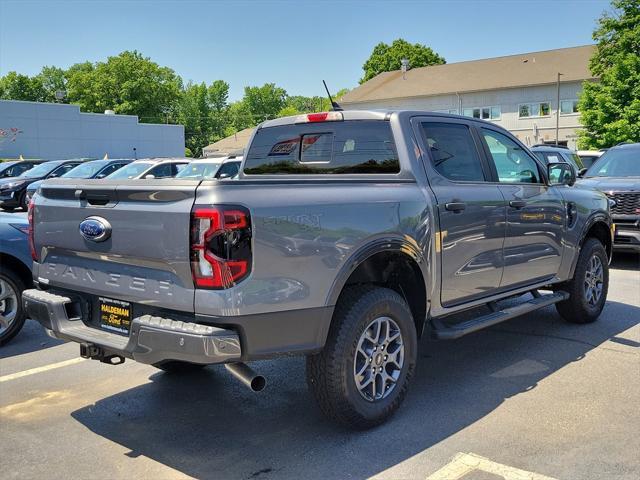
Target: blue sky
294	44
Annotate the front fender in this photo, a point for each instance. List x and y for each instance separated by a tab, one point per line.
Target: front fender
594	218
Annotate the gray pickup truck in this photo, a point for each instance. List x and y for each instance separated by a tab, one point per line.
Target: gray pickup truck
346	236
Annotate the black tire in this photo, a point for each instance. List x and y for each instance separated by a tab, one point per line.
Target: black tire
23	201
577	308
178	367
14	282
330	373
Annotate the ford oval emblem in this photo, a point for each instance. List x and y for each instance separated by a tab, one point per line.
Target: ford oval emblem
96	229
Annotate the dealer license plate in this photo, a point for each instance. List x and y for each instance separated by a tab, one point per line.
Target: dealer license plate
115	315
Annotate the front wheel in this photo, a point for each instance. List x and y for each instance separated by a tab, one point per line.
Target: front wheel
23	201
589	286
361	376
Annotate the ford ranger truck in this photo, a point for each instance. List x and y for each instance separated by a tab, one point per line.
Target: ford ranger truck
346	236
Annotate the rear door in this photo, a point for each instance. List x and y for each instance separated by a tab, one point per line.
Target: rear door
535	211
145	259
471	210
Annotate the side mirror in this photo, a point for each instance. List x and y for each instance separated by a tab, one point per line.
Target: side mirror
561	174
150	176
582	171
101	175
224	175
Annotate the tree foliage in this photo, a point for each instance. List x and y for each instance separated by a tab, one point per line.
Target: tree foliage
387	58
15	86
129	84
202	110
265	102
132	84
610	107
52	79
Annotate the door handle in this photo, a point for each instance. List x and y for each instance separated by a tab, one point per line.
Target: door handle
517	204
455	206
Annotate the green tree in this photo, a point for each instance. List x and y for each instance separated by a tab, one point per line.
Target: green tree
53	79
15	86
240	117
264	102
288	111
610	107
203	112
218	98
195	114
386	58
128	84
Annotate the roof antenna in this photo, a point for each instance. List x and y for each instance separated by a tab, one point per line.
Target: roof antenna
334	105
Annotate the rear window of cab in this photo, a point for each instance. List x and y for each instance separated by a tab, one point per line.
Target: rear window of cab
352	146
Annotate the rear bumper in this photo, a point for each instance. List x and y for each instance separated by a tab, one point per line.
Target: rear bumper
152	339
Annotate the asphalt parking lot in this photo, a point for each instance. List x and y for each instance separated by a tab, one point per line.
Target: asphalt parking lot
532	398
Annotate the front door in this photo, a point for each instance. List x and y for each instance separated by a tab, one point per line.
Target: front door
535	212
471	211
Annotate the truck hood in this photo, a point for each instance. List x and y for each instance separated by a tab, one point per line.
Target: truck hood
612	184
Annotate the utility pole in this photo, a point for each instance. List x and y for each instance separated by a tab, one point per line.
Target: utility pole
558	107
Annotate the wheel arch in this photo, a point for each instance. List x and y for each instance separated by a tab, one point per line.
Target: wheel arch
394	263
599	227
18	267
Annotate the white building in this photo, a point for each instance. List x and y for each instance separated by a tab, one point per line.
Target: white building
518	92
57	131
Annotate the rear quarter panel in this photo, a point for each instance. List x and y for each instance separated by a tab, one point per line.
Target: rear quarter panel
306	233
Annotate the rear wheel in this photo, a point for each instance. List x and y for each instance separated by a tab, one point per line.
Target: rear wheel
12	314
589	286
177	367
362	375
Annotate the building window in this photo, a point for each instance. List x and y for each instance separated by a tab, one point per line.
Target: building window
568	107
486	113
453	111
541	109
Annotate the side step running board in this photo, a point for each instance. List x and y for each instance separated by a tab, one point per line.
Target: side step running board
442	331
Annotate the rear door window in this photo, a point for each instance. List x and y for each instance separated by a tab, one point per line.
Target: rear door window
453	151
229	169
62	169
161	171
363	146
109	169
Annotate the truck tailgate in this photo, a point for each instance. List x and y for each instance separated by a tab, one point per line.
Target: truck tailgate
146	257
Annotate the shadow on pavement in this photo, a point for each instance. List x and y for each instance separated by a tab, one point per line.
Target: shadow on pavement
31	338
625	261
207	426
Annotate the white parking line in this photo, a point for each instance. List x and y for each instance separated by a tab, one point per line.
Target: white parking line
33	371
465	463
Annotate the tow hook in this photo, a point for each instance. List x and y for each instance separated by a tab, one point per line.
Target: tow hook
94	352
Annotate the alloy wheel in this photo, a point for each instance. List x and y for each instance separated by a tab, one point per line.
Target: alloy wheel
594	280
8	305
379	359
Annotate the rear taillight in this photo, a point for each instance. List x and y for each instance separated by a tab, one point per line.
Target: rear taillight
220	246
30	231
